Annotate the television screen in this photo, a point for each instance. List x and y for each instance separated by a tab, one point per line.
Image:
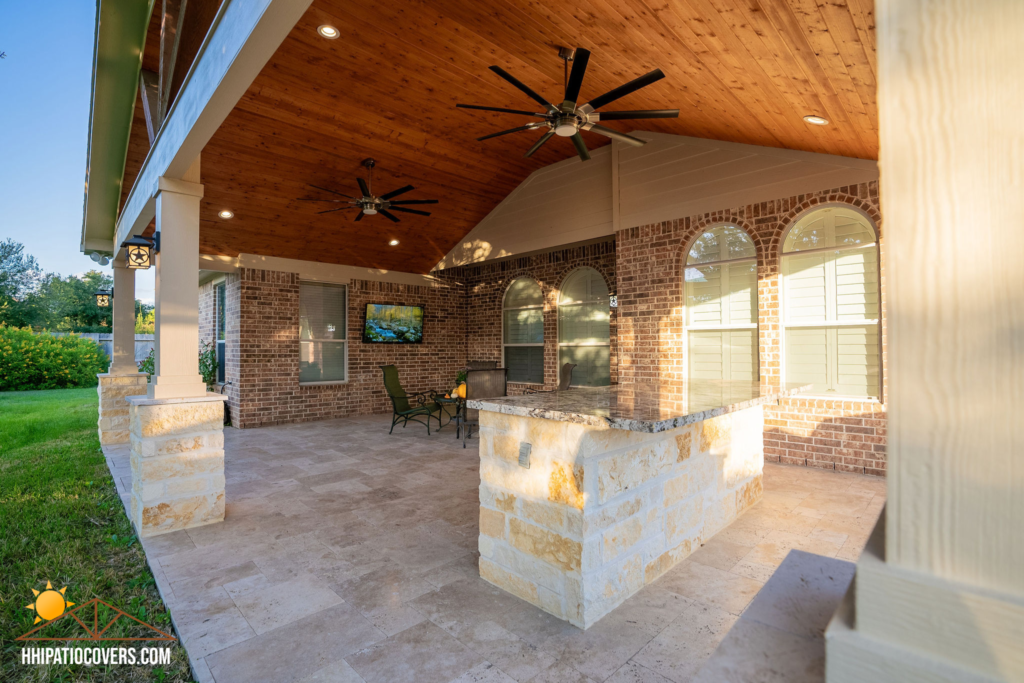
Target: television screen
389	324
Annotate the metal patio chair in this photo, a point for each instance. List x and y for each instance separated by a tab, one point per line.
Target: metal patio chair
481	384
404	409
564	380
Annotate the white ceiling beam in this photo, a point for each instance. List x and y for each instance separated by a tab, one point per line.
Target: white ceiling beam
171	19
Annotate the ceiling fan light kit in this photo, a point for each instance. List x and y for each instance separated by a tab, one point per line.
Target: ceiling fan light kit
567	119
370	204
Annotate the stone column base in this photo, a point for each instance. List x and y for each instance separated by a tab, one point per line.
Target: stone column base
897	625
112	390
596	514
177	462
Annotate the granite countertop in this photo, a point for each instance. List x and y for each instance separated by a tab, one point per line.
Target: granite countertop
640	407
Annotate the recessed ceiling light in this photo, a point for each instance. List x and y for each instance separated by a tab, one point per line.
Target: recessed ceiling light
816	120
225	214
393	243
328	31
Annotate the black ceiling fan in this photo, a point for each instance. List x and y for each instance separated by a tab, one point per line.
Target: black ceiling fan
567	119
370	205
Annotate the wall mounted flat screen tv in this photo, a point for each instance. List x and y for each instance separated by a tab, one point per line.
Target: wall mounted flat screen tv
390	324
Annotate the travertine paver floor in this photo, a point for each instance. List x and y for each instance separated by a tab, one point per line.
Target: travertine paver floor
350	555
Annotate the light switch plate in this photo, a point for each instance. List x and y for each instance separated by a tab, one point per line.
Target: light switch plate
524	454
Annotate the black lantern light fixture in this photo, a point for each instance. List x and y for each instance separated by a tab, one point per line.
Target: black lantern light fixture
103	297
139	251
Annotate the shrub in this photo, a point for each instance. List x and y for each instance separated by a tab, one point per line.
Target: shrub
148	364
207	363
45	361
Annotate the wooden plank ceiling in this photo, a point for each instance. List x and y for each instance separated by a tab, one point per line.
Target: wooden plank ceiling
739	70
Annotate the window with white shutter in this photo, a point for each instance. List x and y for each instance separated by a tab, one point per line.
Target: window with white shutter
831	305
720	284
583	328
522	318
323	345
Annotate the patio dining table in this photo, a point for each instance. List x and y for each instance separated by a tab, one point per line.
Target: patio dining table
446	403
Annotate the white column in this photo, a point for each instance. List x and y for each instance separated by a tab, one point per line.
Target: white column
123	362
177	291
939	591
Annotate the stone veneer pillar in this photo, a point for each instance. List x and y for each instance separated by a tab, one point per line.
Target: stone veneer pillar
113	409
600	513
177	456
123	378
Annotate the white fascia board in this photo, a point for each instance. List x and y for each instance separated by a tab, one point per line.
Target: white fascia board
244	36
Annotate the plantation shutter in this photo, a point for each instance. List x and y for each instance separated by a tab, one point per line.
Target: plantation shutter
584	327
721	306
525	363
831	304
523	331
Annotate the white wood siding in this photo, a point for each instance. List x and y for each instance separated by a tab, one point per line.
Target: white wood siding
670	177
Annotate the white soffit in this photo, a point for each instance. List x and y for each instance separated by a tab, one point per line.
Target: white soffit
671	177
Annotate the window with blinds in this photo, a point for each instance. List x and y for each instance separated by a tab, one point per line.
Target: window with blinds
583	328
523	331
323	345
720	286
831	305
220	305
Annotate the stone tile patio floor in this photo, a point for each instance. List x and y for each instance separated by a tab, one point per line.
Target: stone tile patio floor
349	555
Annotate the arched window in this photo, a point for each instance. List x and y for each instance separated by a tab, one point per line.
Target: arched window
583	316
523	331
721	305
831	303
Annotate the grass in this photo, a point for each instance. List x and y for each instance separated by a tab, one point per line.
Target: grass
62	521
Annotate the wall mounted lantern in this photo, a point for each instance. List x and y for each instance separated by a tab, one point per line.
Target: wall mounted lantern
103	297
139	251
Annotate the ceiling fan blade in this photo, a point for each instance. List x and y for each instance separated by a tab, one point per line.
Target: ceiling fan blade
537	145
387	214
331	191
362	187
626	88
581	147
616	135
525	88
360	215
395	193
340	208
640	114
309	199
415	211
579	69
498	109
415	201
529	126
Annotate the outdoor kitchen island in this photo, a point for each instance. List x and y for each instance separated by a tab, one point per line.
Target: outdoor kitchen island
588	495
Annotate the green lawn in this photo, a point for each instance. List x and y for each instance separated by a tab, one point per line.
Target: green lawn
62	521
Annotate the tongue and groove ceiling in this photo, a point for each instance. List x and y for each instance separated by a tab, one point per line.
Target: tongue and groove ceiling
738	70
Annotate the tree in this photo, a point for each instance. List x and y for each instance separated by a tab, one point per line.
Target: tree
19	278
68	305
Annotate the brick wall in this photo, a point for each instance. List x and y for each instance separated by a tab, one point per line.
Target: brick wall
487	282
834	434
264	366
848	436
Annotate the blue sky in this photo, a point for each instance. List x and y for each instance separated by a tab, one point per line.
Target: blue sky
45	80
